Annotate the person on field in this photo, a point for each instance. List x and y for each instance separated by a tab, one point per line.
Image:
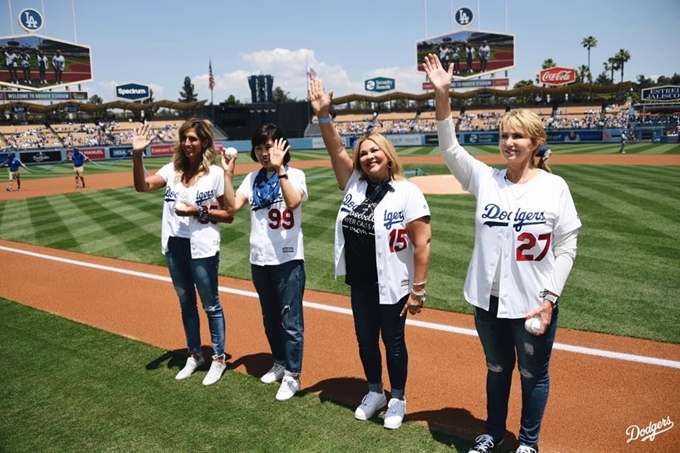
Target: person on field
14	165
78	160
543	155
190	233
382	247
524	249
274	193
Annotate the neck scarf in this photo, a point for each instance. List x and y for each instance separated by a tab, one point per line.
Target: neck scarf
266	191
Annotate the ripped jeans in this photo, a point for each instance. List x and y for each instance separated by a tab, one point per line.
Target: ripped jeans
188	275
502	340
280	289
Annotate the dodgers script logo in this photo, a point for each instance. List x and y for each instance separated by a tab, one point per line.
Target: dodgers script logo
348	204
502	218
392	218
202	196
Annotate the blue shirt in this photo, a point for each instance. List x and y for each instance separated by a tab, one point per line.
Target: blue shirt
541	151
78	159
13	163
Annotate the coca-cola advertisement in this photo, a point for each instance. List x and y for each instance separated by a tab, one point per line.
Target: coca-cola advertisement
557	76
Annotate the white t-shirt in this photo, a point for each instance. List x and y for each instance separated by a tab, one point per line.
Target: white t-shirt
275	231
394	252
206	191
514	229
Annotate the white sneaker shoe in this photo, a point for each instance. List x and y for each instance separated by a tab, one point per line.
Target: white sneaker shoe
190	367
275	374
395	413
369	405
289	386
215	372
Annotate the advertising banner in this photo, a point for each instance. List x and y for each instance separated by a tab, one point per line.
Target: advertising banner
118	152
379	84
94	153
405	140
664	93
132	92
480	138
47	96
575	136
40	157
557	76
161	150
317	143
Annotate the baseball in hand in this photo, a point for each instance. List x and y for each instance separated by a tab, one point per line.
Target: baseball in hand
532	325
230	152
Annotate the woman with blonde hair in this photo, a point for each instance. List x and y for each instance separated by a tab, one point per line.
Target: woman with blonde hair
382	247
190	234
524	249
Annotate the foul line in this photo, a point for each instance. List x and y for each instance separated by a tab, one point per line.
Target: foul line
346	311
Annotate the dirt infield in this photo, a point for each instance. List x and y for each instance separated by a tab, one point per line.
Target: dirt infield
595	397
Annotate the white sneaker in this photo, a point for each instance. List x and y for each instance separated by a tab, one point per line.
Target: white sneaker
289	386
371	403
395	413
273	375
190	367
215	372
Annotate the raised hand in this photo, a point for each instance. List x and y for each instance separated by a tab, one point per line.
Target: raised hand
440	78
142	137
277	153
318	99
227	163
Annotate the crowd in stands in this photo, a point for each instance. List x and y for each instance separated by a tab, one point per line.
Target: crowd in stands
79	134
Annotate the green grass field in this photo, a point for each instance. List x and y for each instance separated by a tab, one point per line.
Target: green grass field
74	388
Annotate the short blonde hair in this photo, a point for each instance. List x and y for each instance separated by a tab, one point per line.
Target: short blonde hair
525	121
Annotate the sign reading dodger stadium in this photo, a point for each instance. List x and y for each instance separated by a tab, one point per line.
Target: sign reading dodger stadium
132	92
664	93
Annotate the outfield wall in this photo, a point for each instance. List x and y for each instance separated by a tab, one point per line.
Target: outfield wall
54	156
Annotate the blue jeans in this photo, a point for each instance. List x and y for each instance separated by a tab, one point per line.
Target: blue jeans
189	275
280	289
372	319
502	340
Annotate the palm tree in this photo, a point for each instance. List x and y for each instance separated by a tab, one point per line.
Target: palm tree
622	57
589	42
611	65
583	74
548	63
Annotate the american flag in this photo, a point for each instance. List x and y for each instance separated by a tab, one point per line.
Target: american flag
311	73
211	78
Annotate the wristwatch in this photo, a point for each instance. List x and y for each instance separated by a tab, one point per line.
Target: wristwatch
202	213
553	299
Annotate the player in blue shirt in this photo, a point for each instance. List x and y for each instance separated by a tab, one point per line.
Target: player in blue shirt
543	154
78	159
13	163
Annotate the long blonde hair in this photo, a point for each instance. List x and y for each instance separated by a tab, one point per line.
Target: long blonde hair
204	132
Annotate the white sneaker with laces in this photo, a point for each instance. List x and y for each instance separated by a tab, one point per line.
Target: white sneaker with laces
526	449
190	367
289	386
274	374
215	372
484	443
369	405
396	409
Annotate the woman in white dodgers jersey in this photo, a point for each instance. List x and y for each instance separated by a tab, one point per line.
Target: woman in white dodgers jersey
275	194
525	244
382	247
190	234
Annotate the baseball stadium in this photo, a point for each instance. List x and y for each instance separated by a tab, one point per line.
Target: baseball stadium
91	331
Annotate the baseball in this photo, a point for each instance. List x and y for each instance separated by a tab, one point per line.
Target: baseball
230	152
532	325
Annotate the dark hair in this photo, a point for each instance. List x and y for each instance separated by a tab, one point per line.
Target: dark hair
265	133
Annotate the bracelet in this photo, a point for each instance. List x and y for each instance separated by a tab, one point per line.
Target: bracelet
326	120
420	293
420	284
283	176
202	213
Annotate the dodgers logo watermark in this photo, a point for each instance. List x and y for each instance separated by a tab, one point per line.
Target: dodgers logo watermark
30	20
649	432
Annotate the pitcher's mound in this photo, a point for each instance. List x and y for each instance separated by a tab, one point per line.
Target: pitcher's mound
438	184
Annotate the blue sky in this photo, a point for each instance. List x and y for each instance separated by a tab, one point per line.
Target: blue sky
159	42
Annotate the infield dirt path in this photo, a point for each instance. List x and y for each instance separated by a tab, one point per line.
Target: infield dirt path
593	401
